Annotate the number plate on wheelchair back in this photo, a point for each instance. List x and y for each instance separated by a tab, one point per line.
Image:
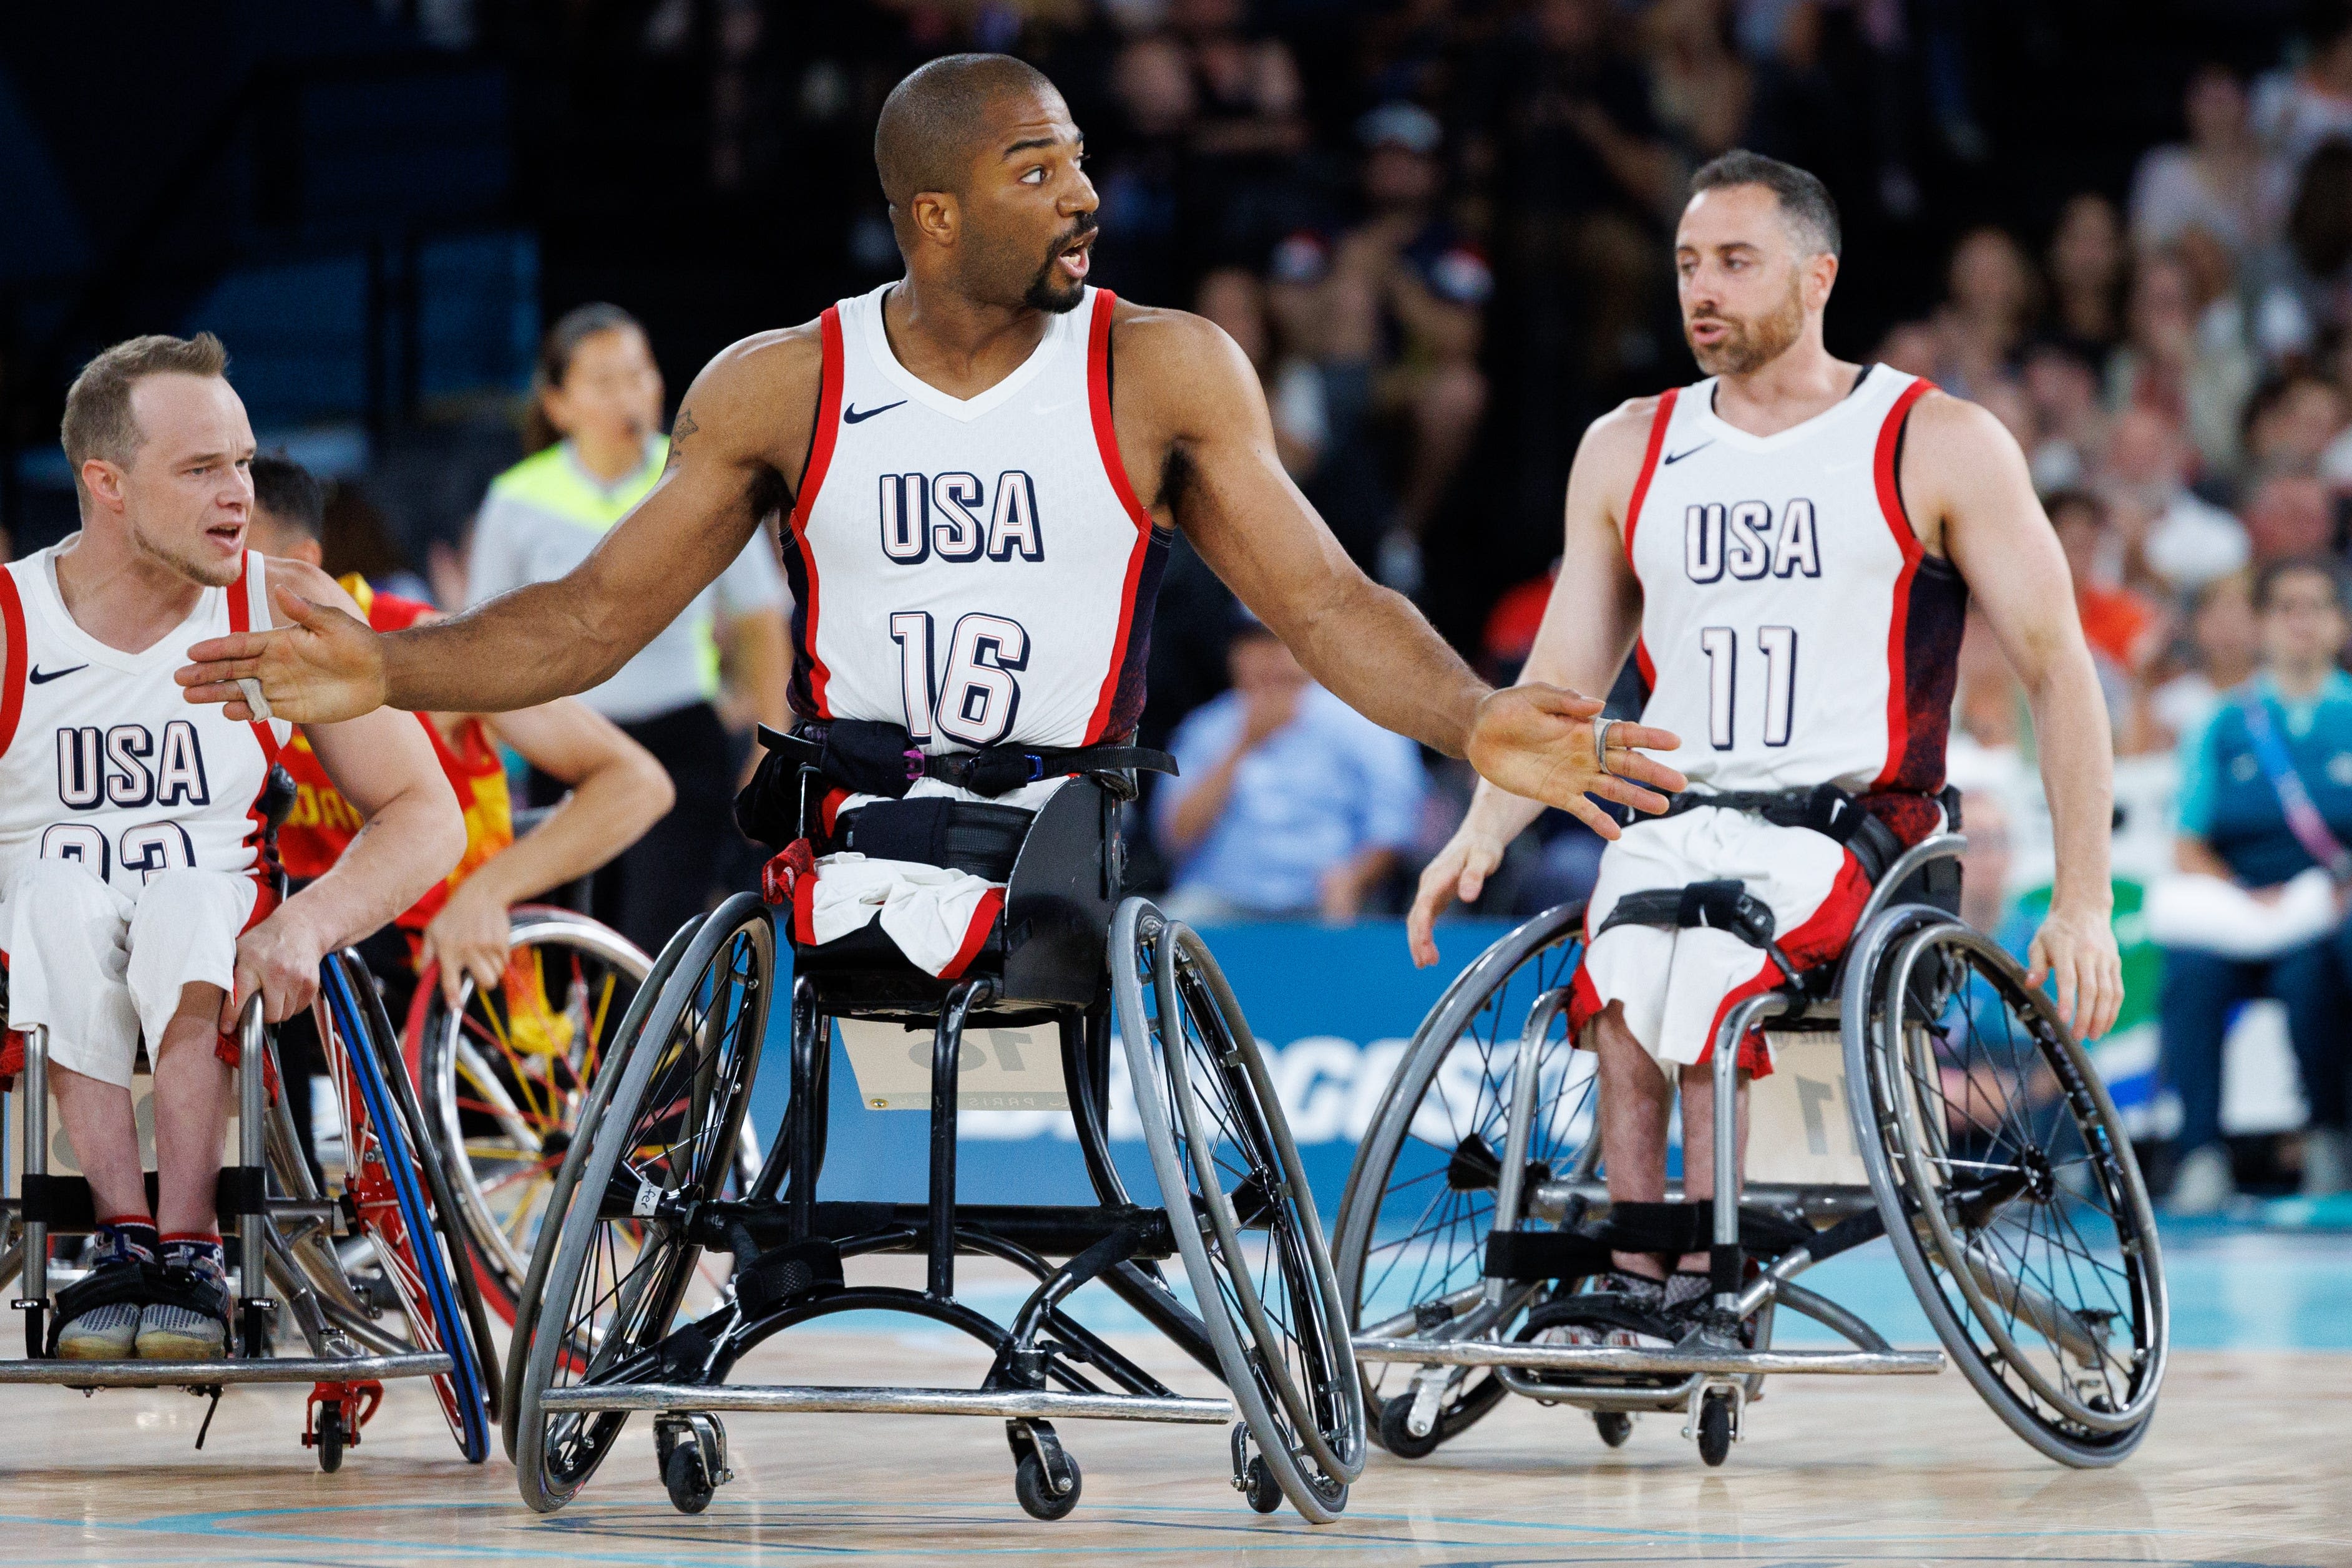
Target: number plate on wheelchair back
999	1068
1798	1128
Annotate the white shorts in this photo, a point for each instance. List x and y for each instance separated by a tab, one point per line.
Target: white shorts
96	968
1678	984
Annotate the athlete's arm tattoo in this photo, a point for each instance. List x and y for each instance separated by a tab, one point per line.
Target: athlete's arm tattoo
677	435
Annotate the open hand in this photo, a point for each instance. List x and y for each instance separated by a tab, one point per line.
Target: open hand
1536	742
471	936
323	667
2076	952
1460	870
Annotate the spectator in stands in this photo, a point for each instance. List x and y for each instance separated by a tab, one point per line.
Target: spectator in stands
1289	804
1988	309
595	421
2290	515
2234	824
2070	426
2213	182
2086	274
2224	648
2199	379
1701	87
2289	422
2189	541
2124	630
2297	109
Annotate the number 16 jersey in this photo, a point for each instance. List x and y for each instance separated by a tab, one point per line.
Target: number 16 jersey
977	570
1793	630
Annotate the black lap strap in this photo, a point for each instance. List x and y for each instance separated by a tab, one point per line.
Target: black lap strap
1823	807
1720	905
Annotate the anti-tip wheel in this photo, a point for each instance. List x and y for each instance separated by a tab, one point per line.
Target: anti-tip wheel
1715	1428
688	1478
1264	1493
328	1438
1037	1498
1614	1426
1397	1436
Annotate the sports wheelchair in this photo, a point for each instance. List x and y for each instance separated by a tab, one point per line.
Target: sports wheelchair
620	1312
1983	1147
394	1296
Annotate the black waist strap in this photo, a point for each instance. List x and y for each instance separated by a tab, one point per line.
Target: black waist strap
869	757
1824	808
963	835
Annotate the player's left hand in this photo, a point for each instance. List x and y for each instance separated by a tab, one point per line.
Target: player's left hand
471	936
1536	742
279	960
2075	950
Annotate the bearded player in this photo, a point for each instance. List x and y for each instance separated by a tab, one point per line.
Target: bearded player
1787	549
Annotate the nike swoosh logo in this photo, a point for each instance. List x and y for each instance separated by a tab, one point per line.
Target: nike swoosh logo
41	678
853	415
1679	456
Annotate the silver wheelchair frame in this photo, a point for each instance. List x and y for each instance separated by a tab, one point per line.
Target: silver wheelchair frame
1719	1375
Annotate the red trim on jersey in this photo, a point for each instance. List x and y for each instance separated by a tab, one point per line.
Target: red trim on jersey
1658	423
828	428
240	621
1816	940
804	910
1115	469
19	655
1898	523
975	936
1642	659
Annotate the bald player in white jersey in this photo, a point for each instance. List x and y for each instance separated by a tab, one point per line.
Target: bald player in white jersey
1786	549
133	897
979	469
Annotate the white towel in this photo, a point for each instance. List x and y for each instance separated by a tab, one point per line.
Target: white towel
938	917
2210	915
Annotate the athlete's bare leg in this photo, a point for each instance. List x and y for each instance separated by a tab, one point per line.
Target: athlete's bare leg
99	1119
1636	1102
192	1087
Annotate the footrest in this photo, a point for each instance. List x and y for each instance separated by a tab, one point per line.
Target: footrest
1002	1404
1605	1358
205	1374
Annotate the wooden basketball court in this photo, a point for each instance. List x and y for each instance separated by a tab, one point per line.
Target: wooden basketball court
2250	1462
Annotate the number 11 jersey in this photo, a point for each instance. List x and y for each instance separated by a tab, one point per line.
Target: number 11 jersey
977	570
1793	631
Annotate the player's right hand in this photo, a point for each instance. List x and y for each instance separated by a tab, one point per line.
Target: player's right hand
322	668
1460	870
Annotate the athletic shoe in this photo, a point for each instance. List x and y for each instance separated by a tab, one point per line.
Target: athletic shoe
183	1332
1630	1295
108	1332
2326	1163
2203	1185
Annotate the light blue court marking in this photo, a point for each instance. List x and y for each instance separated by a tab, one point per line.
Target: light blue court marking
701	1541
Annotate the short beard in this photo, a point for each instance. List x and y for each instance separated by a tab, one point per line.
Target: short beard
1749	345
208	573
1053	298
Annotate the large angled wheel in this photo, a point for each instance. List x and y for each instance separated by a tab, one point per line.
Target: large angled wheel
506	1071
566	1178
1420	1203
2008	1186
623	1269
399	1199
1245	1217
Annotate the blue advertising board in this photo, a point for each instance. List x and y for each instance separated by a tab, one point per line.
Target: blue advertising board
1332	1006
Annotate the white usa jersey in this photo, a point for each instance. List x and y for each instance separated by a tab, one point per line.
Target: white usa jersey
977	570
1793	631
102	758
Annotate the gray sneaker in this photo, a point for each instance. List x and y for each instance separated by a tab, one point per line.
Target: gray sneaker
181	1332
2326	1163
101	1333
2203	1185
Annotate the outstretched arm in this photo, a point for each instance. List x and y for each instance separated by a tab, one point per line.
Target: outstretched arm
1962	467
727	463
1588	626
1192	394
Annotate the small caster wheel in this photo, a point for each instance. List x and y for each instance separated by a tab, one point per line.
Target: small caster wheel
1614	1426
1397	1436
688	1479
1715	1428
1035	1491
329	1434
1264	1493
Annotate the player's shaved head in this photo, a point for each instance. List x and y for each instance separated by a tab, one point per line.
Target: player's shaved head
933	120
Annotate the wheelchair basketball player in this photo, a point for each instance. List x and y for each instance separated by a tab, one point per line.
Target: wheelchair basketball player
134	899
981	466
1786	549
